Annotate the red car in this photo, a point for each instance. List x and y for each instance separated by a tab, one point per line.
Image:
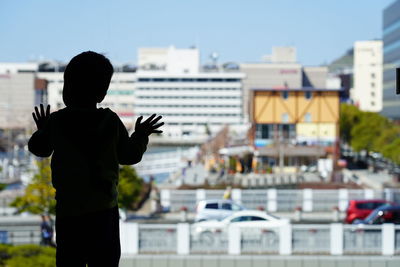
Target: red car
360	209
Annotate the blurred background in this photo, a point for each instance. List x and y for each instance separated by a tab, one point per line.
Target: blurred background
281	141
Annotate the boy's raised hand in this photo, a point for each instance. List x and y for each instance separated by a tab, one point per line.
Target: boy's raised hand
41	117
149	126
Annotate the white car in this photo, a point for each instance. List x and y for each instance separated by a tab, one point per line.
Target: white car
216	209
205	231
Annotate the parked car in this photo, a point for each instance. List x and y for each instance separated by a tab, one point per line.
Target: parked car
216	209
384	214
360	209
205	231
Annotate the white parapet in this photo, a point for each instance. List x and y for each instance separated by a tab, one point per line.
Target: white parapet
336	237
285	239
388	240
129	238
183	239
234	240
272	200
307	200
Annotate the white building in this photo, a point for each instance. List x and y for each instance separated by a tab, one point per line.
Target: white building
367	90
120	96
192	102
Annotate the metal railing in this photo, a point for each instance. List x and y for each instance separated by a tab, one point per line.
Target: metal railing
313	239
309	200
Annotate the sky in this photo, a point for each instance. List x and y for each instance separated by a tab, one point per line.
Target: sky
238	30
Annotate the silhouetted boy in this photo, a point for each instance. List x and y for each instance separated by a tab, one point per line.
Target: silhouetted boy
87	145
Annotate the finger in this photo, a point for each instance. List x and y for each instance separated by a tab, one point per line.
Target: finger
157	125
138	121
42	110
48	111
149	118
34	117
37	112
156	120
156	131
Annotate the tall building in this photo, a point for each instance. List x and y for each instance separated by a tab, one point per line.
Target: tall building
391	59
120	96
280	71
367	90
193	101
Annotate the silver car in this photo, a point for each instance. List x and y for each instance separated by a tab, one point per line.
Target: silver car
216	209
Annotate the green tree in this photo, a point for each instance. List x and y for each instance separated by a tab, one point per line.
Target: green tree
365	133
392	151
39	197
129	187
349	116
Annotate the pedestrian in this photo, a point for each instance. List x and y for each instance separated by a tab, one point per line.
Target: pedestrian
46	230
87	144
228	193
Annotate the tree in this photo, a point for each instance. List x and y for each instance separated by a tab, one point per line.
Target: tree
39	197
365	133
349	116
129	187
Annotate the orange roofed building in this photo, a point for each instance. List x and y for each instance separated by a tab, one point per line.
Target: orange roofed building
294	127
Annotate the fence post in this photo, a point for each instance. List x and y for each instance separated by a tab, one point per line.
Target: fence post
388	242
343	199
165	196
285	239
129	236
183	239
307	199
272	197
200	194
388	192
234	240
336	237
237	195
368	193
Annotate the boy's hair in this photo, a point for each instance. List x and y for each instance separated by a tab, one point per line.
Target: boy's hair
86	79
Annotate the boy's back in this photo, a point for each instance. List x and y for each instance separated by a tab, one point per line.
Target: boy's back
87	145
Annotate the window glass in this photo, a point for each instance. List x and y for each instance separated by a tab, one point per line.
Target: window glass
226	206
212	206
307	117
236	207
256	218
285	94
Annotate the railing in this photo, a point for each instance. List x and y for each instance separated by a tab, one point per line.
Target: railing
20	237
328	239
273	200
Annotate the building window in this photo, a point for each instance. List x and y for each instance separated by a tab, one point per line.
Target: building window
372	75
372	85
285	94
372	103
372	93
308	94
285	117
307	117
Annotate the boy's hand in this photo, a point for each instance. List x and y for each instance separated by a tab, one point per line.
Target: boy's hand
41	118
149	126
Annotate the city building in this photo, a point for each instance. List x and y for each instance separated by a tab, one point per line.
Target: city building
195	102
391	59
294	126
20	89
279	71
367	91
120	96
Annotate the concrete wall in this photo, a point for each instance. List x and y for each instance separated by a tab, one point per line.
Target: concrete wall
257	261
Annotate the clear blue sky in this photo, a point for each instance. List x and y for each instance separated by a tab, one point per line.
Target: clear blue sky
240	31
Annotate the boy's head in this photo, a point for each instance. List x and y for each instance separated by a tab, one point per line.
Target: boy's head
86	79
